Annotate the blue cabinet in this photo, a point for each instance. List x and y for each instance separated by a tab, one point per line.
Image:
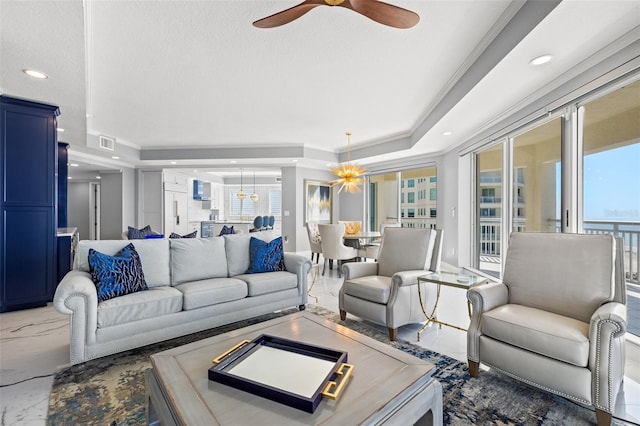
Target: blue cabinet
28	203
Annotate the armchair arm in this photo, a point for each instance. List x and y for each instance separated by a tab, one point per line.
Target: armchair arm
407	278
359	269
299	265
483	298
607	328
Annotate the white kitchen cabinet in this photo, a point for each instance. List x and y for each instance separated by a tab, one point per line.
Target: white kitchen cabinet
164	202
175	212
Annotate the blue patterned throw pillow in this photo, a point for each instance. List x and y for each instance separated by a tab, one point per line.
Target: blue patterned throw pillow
226	230
265	256
116	275
139	234
190	235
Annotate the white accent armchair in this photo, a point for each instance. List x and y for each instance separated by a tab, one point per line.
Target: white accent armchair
333	247
558	319
385	292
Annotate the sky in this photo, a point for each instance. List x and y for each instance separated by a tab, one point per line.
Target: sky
611	185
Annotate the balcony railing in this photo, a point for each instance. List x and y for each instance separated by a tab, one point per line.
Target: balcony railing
490	199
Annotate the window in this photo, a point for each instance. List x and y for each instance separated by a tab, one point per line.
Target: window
411	197
240	207
432	213
433	179
275	202
432	194
411	183
411	213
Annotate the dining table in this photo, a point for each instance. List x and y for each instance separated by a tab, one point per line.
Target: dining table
361	239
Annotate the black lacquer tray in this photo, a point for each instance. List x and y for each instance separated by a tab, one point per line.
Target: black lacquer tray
289	372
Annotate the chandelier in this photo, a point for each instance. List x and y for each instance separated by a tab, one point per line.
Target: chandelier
349	174
254	196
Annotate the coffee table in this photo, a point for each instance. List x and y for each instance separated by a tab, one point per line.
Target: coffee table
387	386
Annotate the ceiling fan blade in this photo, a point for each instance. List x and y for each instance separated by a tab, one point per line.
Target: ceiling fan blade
288	15
384	13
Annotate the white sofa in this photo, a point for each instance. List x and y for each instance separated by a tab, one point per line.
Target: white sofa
194	284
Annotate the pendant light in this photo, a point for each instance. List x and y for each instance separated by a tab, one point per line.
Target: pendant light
241	195
348	173
254	197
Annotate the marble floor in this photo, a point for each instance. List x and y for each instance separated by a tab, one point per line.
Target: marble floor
34	343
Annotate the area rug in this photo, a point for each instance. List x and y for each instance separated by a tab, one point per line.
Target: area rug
111	390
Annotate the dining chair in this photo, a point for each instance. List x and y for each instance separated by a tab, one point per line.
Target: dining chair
314	240
333	247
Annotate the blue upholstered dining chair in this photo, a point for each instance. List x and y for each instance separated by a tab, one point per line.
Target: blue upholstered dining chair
257	224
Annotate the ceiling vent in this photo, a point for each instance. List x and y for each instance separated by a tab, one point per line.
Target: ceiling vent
107	143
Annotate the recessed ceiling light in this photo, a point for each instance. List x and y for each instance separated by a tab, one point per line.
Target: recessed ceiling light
540	60
294	161
35	74
60	129
73	165
115	157
173	162
195	170
447	133
329	165
233	161
69	177
98	177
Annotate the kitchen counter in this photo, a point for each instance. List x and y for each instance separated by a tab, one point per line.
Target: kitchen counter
66	232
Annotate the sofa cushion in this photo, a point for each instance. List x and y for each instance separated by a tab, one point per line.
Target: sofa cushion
154	256
197	259
375	288
197	294
155	302
265	256
269	282
545	333
116	275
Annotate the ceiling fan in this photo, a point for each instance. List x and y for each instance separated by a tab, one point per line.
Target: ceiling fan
375	10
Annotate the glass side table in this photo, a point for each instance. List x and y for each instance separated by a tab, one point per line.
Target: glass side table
450	276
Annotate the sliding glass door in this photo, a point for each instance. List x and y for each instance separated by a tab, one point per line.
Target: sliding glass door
489	209
593	166
536	179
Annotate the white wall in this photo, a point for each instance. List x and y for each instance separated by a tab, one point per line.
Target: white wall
111	202
79	207
293	226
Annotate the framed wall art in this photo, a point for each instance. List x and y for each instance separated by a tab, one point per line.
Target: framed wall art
318	201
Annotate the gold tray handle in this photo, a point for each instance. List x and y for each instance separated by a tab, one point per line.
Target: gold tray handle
338	386
221	357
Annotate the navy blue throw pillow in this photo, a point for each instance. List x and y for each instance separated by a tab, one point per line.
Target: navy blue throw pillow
190	235
116	275
139	234
265	256
226	230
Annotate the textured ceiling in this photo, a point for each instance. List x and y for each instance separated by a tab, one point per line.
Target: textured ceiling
165	76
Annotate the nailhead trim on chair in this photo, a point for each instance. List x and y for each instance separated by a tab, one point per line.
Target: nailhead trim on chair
608	409
515	376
